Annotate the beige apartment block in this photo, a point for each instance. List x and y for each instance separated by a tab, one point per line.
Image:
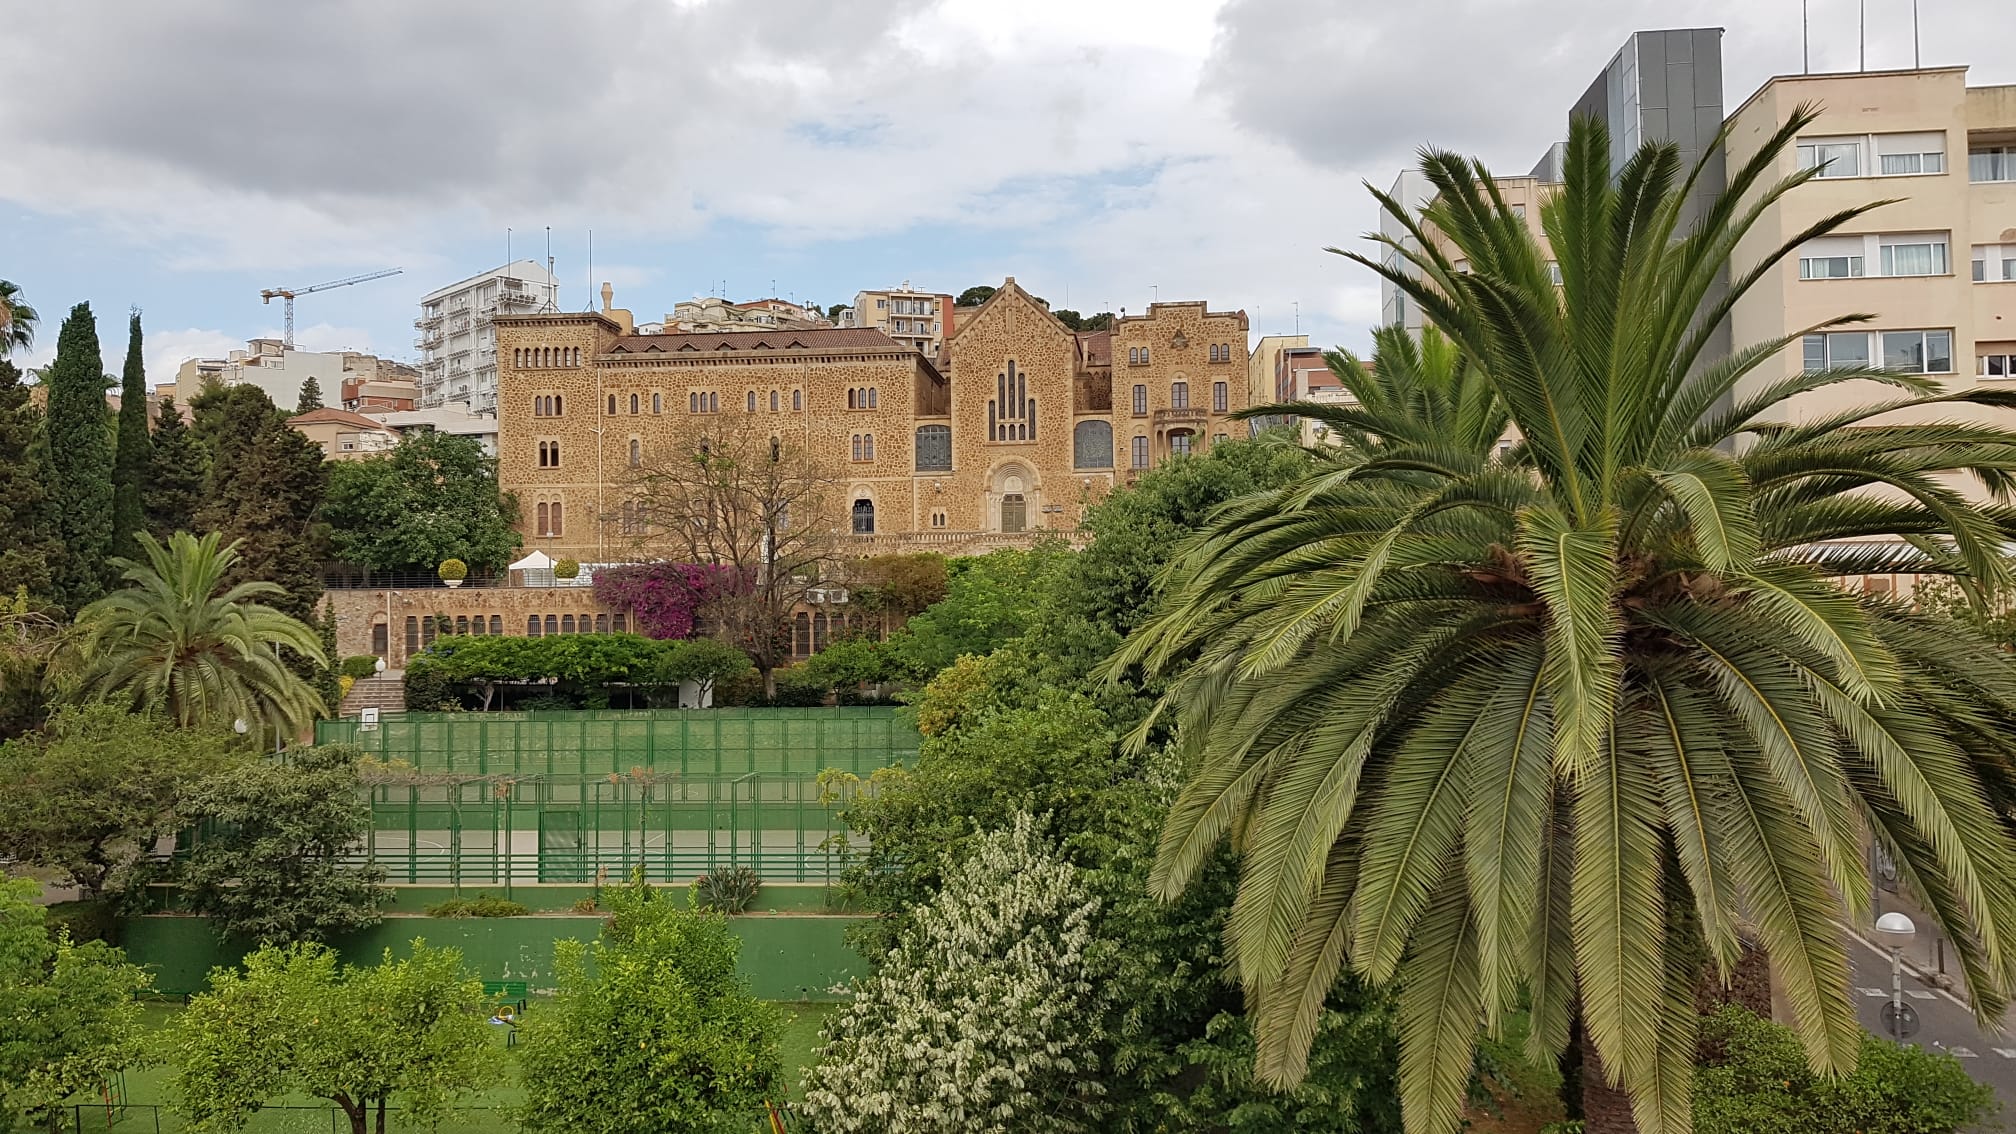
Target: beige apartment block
344	436
1936	268
920	320
1009	431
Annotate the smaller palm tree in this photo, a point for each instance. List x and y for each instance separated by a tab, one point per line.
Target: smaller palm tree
173	640
17	319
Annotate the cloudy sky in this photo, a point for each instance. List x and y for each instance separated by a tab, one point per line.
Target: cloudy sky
180	157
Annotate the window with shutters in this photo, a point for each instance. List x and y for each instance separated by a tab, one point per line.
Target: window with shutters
1220	397
1140	401
1140	453
1179	395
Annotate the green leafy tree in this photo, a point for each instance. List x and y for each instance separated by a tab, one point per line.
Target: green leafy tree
406	1032
133	457
1537	733
986	1016
29	637
79	464
975	296
89	796
833	312
990	599
272	860
176	639
434	497
1070	318
1756	1080
264	493
175	475
72	1012
651	1029
1947	599
30	547
311	396
17	319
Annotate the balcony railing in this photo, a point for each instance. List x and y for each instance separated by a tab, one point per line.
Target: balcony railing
1189	415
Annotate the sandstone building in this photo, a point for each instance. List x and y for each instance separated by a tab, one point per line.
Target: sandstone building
1010	429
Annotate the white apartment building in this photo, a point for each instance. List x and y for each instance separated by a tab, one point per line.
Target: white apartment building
458	345
269	365
918	319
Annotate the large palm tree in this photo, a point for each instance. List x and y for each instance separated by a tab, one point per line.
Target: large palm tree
1556	729
1416	390
175	640
17	319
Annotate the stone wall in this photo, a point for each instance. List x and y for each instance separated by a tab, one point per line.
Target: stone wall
361	612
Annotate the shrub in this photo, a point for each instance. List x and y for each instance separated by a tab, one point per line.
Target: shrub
1757	1082
428	688
798	688
729	890
454	569
581	665
662	598
482	905
87	919
567	569
359	666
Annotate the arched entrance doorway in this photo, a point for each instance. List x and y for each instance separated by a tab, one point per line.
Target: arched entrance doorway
864	517
1014	513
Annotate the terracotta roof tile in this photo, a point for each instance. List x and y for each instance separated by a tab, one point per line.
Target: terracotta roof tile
331	416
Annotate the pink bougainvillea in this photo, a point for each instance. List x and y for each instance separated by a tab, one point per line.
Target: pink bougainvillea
663	599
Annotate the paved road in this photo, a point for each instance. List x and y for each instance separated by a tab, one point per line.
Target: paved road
1945	1024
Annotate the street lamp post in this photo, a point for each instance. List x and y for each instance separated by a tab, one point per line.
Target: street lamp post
1895	931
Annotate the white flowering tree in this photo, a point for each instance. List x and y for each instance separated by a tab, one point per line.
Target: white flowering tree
986	1015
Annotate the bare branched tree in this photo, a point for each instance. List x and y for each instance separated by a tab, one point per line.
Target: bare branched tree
731	493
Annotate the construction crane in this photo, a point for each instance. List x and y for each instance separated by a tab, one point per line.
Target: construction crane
288	293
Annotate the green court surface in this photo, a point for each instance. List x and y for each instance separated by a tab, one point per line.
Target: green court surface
149	1092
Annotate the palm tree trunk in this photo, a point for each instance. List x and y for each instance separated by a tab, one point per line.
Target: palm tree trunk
1749	984
1605	1109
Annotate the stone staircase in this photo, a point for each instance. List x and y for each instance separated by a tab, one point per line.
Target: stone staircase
385	692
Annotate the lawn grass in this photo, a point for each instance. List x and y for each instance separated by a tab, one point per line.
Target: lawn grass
150	1096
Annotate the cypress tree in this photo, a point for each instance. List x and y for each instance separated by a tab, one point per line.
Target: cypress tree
325	676
265	489
80	460
136	450
174	475
311	396
29	547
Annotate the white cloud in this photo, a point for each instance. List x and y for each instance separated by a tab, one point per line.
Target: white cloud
1208	147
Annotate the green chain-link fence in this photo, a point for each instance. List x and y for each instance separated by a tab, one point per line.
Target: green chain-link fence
506	798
